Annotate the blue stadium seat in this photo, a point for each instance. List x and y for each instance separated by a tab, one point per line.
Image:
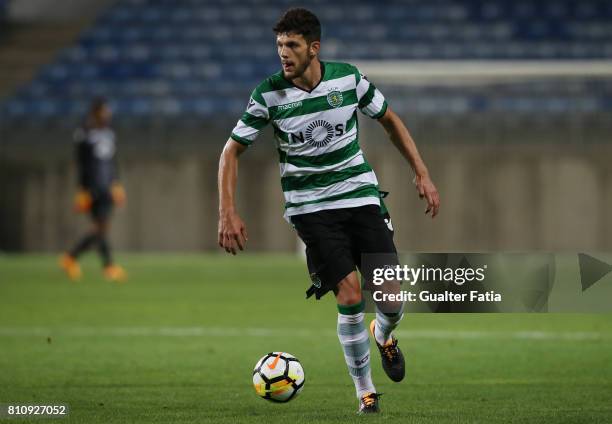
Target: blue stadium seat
199	58
3	12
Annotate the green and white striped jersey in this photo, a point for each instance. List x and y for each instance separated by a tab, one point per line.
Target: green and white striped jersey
317	137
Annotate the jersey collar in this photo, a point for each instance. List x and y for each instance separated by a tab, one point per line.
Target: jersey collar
313	88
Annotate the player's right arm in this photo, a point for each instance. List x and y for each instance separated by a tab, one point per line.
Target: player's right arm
232	230
82	199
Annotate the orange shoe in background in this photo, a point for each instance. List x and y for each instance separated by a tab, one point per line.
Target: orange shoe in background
115	273
70	266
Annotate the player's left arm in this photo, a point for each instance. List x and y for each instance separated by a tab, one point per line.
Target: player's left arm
400	136
117	190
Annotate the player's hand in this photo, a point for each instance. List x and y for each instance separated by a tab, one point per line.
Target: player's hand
118	194
232	232
82	201
428	190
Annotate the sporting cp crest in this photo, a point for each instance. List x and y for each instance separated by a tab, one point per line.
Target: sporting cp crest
316	281
334	98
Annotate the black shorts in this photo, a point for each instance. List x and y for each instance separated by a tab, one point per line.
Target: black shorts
336	239
102	204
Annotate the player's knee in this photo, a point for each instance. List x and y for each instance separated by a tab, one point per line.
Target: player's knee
348	295
349	290
352	299
100	227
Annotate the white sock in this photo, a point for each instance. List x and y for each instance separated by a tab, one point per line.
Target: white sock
353	337
385	324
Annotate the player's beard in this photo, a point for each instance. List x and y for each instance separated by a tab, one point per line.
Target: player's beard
299	71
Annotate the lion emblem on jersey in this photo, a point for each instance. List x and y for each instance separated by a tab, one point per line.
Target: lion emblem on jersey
334	98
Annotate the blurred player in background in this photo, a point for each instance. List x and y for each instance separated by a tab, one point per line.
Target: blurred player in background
331	192
99	189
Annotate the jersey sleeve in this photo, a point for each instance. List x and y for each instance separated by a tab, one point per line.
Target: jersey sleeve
252	121
371	101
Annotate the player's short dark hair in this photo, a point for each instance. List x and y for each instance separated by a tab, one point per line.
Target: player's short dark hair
301	21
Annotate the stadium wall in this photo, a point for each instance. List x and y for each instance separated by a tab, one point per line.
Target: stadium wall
55	11
500	190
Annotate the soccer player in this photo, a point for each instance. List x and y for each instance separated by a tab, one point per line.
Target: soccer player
99	189
331	192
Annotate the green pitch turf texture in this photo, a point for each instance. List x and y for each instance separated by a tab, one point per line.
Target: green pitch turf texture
177	344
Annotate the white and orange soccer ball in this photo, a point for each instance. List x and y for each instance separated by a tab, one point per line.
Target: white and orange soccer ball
278	377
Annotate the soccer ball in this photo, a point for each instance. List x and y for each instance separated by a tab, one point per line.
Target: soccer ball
278	377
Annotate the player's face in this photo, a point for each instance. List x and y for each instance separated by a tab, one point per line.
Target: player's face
295	54
104	115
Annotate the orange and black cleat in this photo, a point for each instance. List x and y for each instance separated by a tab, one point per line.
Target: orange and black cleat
392	358
368	404
70	266
115	273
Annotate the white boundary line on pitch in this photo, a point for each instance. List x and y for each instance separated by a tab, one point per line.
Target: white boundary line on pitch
262	332
478	72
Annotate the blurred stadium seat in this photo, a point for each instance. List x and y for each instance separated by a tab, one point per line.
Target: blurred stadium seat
3	9
195	58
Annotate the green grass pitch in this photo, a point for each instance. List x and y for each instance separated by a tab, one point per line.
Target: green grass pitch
177	344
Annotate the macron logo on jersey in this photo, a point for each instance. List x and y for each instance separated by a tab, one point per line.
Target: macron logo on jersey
290	105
